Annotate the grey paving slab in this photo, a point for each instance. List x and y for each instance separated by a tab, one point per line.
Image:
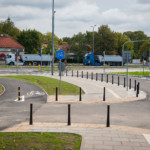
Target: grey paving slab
98	139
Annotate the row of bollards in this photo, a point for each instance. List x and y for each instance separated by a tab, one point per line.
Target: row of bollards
107	78
69	115
80	94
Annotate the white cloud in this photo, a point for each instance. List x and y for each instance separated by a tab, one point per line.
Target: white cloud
77	16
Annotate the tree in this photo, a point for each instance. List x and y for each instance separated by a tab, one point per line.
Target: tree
47	39
30	40
8	27
105	40
137	35
121	39
145	47
79	45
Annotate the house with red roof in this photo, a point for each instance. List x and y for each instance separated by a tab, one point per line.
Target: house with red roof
9	45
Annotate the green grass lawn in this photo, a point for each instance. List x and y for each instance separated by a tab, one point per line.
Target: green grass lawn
49	84
137	73
39	141
1	89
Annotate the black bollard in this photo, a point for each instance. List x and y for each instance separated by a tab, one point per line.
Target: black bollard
56	94
77	73
96	76
80	97
135	85
138	88
108	116
87	75
18	93
124	82
91	75
112	79
69	116
104	96
66	72
118	81
130	84
31	113
107	78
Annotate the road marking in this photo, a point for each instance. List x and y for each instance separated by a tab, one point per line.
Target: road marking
147	137
22	99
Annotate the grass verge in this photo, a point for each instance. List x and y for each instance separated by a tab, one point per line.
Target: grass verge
39	141
1	89
49	84
137	73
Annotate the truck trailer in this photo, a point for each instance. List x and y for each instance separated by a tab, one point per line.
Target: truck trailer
98	60
27	59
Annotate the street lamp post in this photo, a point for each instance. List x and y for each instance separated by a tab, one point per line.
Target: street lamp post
52	36
93	36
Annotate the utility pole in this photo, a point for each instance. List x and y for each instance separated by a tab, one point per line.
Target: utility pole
104	60
52	37
93	36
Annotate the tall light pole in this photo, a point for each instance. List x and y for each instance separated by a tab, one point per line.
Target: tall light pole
53	12
93	36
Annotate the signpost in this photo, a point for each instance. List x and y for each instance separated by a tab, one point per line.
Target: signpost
60	55
143	54
127	59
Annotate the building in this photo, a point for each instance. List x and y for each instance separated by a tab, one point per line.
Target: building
9	45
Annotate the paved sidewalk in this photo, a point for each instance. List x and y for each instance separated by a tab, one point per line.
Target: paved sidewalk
95	137
94	91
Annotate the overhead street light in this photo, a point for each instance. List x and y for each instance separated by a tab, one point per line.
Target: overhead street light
93	36
53	12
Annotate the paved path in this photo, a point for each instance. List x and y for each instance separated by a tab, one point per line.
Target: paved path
90	116
95	137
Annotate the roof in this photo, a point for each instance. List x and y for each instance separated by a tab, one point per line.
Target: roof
65	47
8	42
110	58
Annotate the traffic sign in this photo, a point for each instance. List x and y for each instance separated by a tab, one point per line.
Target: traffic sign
60	54
61	67
127	56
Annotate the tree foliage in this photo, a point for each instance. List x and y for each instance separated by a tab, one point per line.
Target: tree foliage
145	47
8	27
30	40
134	36
104	40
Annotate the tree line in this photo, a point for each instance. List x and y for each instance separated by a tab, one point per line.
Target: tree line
109	41
105	40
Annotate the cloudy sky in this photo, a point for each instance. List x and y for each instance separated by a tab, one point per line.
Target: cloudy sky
73	16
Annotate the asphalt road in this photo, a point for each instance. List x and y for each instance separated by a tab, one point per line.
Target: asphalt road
12	112
134	114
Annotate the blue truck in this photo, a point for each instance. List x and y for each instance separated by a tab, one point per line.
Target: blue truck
98	60
91	60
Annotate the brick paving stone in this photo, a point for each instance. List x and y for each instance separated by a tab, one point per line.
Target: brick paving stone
112	143
141	148
103	147
120	139
123	148
131	143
